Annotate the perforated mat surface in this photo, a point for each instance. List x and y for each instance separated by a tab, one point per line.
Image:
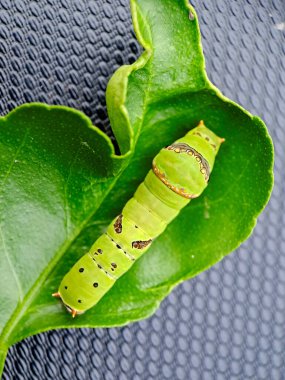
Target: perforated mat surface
228	323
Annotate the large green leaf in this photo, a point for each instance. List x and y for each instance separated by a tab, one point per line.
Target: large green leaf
61	182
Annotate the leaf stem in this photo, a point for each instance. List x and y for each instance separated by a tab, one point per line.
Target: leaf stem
3	354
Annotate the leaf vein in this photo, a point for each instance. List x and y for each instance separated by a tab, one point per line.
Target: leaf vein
11	266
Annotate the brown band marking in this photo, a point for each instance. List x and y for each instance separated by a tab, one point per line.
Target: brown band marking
118	224
185	148
140	244
180	191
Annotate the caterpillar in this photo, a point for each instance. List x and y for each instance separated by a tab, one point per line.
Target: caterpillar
180	172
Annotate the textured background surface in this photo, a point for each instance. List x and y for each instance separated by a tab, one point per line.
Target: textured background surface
229	323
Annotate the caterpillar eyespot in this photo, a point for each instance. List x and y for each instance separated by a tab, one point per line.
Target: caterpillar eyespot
179	173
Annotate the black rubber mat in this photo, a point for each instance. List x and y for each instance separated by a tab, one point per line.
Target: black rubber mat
228	323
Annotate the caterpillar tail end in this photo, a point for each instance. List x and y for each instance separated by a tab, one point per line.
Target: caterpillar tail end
73	312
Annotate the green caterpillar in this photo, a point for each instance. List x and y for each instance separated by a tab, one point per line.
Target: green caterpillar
180	172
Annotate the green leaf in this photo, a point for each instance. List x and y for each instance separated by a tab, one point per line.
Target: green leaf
61	183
